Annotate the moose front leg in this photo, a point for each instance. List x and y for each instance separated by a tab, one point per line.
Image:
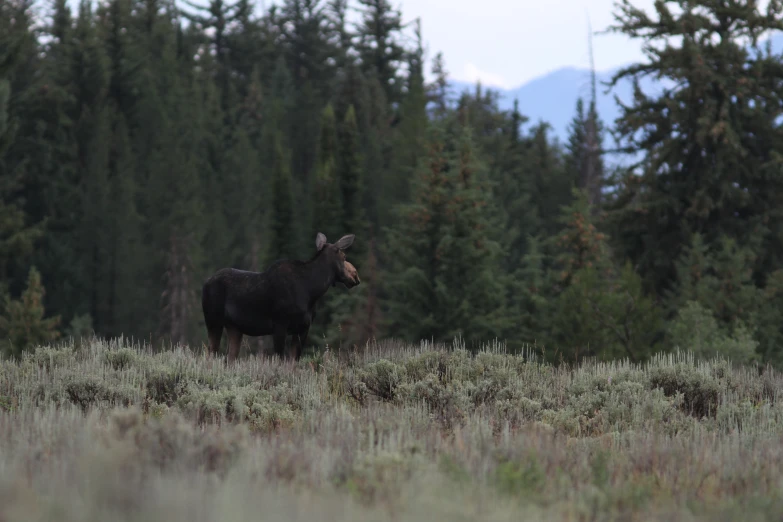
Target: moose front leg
234	343
297	343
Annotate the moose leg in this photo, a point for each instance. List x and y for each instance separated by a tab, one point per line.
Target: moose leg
281	330
297	343
214	334
234	342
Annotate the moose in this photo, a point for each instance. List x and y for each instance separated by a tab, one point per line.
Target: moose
278	301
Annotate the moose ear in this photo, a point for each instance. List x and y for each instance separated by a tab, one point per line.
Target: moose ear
345	241
320	241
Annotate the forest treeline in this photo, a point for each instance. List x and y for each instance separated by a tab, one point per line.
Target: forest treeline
145	144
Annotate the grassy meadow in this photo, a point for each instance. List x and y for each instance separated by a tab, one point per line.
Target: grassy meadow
110	431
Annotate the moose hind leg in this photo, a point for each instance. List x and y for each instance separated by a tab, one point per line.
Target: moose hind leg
297	343
234	342
214	334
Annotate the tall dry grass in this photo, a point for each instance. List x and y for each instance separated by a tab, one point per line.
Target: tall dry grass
109	431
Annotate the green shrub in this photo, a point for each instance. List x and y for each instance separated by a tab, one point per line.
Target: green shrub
700	391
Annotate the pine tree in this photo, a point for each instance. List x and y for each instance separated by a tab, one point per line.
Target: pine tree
599	310
178	215
214	20
349	176
327	209
411	251
94	236
22	323
47	159
710	142
530	299
439	88
584	163
243	226
282	241
720	278
445	258
308	51
125	253
17	237
408	136
219	194
576	143
515	191
378	46
579	244
549	182
327	198
123	55
340	36
471	284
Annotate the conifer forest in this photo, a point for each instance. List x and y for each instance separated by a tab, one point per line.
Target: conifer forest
145	144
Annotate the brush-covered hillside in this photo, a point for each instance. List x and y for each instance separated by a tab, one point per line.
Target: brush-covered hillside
107	431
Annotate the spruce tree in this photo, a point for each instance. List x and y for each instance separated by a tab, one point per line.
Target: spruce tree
600	309
17	237
531	295
710	141
439	88
23	324
408	137
282	241
350	180
379	49
471	285
720	278
411	251
180	219
243	204
125	246
327	208
584	164
515	191
445	257
328	214
308	50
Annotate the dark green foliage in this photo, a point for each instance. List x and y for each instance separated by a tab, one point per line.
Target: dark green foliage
710	143
584	163
444	259
327	192
141	151
379	48
349	176
600	309
411	250
23	324
17	234
282	219
700	391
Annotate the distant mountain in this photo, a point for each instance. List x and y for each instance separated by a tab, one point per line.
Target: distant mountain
552	97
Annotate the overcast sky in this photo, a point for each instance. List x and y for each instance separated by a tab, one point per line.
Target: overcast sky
505	43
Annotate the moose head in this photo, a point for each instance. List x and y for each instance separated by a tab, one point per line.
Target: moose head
334	255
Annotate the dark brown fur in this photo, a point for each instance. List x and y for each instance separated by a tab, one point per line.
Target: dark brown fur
279	301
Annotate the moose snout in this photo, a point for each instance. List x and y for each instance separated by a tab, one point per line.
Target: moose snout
350	270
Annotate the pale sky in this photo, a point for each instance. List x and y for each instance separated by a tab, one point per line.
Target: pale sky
506	43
